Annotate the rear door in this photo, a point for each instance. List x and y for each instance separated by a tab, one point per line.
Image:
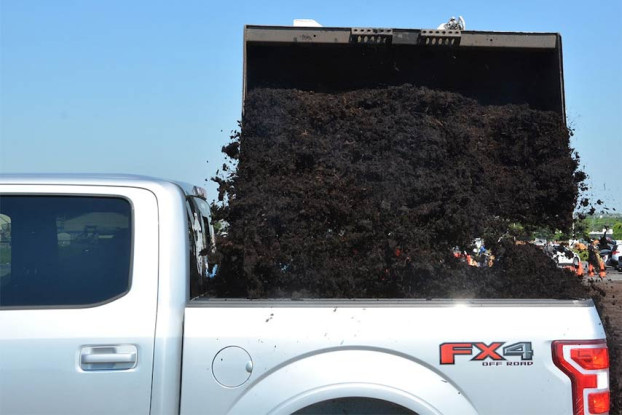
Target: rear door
78	291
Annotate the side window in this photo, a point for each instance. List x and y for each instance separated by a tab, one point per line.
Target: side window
206	221
63	250
202	245
5	249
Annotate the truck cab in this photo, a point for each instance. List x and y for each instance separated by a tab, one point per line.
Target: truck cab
94	279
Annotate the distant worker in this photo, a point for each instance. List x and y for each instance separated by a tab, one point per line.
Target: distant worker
579	269
491	260
470	261
595	261
603	242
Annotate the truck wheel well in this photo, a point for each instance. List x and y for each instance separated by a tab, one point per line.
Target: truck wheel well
354	405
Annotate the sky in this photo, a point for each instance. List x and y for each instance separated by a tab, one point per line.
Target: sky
155	87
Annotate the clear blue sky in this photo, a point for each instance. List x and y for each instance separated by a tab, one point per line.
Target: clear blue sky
154	87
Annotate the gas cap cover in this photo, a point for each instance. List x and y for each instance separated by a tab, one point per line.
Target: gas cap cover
232	366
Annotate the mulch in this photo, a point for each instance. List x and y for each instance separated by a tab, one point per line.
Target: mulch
366	193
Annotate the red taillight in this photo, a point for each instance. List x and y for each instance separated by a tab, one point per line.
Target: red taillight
598	402
587	365
594	358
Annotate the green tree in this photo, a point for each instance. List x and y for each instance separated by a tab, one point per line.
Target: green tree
617	230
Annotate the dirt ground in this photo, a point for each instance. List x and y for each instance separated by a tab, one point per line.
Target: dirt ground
612	316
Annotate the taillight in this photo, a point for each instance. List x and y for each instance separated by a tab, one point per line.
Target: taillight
587	365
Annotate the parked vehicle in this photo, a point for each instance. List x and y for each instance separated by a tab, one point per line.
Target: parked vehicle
541	242
605	254
614	259
562	255
111	317
606	247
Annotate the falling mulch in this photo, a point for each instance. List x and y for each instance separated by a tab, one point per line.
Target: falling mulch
367	193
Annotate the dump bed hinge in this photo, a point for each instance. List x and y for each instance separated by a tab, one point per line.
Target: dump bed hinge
371	35
436	37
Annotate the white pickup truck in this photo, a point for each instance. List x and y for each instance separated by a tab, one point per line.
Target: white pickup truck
98	316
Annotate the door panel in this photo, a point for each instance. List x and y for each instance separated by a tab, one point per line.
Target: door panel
78	299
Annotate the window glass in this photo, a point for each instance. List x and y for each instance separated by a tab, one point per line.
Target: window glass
201	244
206	223
63	250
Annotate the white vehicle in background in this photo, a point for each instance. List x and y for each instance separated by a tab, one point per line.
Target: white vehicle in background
562	255
615	260
540	242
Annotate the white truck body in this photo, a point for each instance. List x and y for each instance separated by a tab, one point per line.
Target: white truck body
150	349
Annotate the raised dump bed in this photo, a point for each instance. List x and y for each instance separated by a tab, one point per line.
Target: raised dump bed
492	67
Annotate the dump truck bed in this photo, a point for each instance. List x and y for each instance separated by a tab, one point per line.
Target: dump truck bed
491	67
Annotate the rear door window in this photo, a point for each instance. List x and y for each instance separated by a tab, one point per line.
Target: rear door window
64	250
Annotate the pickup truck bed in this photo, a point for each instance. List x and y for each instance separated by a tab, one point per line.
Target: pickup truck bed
304	352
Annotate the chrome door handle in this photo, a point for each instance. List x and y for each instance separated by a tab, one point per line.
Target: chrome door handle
109	358
113	357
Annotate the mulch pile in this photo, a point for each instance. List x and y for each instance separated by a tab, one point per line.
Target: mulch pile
366	193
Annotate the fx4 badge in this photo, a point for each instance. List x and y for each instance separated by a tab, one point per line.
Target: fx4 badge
482	351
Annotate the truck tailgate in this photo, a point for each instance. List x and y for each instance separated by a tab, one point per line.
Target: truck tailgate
478	356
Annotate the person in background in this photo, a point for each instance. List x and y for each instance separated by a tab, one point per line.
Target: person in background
594	260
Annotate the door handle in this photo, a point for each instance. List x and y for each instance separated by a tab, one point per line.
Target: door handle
109	358
114	357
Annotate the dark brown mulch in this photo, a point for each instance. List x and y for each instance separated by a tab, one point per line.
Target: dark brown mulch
365	193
